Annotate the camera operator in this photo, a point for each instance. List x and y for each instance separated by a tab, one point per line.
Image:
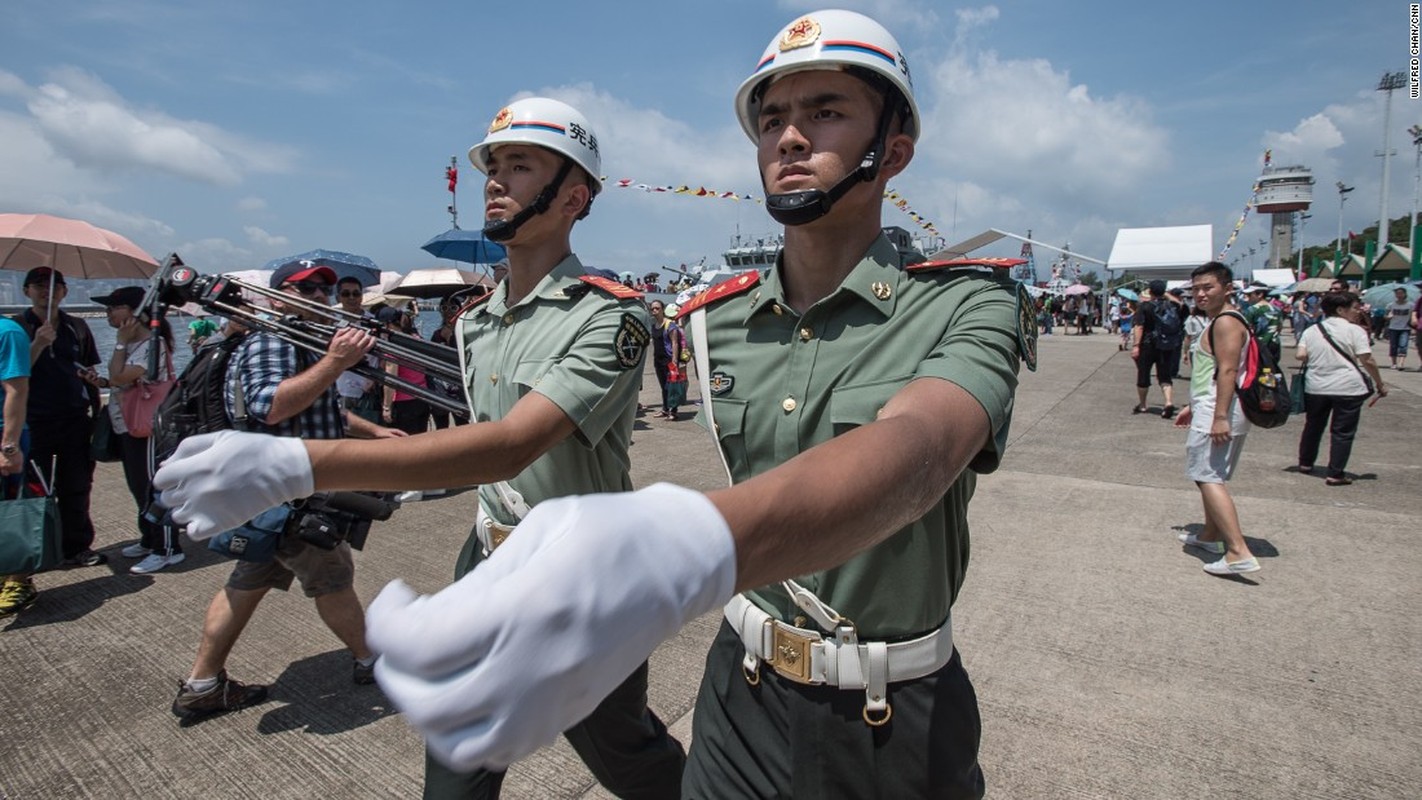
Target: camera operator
283	393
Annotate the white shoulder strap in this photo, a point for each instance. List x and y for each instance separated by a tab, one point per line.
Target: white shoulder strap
700	351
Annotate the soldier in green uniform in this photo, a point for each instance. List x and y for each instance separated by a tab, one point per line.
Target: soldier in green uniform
854	401
551	361
1265	320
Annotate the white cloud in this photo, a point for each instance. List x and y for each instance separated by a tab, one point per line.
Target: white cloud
650	147
251	204
262	239
215	255
87	122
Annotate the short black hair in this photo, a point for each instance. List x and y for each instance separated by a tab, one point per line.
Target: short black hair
1334	302
349	279
1157	288
1222	273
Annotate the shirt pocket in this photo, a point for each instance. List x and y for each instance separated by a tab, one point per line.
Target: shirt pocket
731	434
528	374
860	404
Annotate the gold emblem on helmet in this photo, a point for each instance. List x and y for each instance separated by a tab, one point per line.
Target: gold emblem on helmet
803	32
501	120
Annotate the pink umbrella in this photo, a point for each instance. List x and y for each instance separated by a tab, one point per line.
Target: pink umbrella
1077	288
75	248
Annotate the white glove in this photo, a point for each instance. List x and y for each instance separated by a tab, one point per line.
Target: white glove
217	481
529	643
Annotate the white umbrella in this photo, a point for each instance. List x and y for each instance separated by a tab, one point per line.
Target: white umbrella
438	282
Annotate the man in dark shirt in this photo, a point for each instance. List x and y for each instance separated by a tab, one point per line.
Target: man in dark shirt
62	408
1150	352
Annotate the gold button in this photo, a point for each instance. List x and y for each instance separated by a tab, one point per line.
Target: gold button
777	309
788	404
508	318
493	379
881	290
800	621
806	334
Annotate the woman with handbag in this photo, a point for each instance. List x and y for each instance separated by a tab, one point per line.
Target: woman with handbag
133	398
1339	374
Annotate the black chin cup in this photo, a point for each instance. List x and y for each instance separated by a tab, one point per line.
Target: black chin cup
502	230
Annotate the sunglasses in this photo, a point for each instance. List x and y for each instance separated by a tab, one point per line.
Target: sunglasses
311	287
351	293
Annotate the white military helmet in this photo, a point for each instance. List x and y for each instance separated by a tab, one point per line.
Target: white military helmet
548	123
831	39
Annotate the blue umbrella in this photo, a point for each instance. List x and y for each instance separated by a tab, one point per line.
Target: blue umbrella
468	246
1128	294
345	265
1382	294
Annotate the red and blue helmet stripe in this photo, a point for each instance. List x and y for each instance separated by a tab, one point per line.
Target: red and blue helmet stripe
551	127
841	45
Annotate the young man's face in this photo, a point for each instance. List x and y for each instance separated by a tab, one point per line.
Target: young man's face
348	294
515	174
814	128
38	294
1209	293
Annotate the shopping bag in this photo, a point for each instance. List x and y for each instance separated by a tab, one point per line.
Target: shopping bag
104	444
29	534
1296	391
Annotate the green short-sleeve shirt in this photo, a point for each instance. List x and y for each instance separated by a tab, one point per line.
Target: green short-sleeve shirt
783	382
576	345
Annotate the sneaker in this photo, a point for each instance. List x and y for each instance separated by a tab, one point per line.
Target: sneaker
362	674
228	695
412	496
1227	567
1191	540
155	562
88	558
16	596
135	550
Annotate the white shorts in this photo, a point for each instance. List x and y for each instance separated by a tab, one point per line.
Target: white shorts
1207	462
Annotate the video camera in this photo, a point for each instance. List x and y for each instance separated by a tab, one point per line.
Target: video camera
324	520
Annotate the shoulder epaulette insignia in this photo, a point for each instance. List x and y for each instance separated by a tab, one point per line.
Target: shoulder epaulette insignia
958	263
720	291
611	286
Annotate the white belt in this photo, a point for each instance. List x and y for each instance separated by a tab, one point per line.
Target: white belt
806	656
491	534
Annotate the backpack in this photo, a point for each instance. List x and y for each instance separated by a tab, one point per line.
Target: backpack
195	404
1262	389
1169	329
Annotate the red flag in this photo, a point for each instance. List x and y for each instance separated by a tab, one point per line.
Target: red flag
452	175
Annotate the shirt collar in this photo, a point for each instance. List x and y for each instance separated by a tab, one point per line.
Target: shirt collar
553	286
874	280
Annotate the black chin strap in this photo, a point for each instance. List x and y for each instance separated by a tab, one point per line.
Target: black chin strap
502	230
799	208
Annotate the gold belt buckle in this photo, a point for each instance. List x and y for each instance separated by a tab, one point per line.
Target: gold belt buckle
498	534
790	652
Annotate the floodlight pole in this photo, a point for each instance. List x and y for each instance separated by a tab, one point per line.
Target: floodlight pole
1389	82
1342	198
1416	131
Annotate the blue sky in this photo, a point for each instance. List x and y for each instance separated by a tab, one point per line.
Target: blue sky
234	133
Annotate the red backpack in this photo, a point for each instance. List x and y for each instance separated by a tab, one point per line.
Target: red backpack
1262	389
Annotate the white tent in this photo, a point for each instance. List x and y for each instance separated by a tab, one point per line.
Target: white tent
1170	253
1275	277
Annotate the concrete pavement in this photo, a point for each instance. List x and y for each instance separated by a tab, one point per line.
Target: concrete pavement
1107	664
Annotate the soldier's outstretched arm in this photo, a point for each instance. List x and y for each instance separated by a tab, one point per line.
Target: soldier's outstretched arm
499	663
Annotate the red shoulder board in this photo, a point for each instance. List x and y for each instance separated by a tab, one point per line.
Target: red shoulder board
611	286
474	303
722	290
993	263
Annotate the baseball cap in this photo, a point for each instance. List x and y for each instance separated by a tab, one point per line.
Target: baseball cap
293	271
389	314
131	296
41	275
1177	292
1256	287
